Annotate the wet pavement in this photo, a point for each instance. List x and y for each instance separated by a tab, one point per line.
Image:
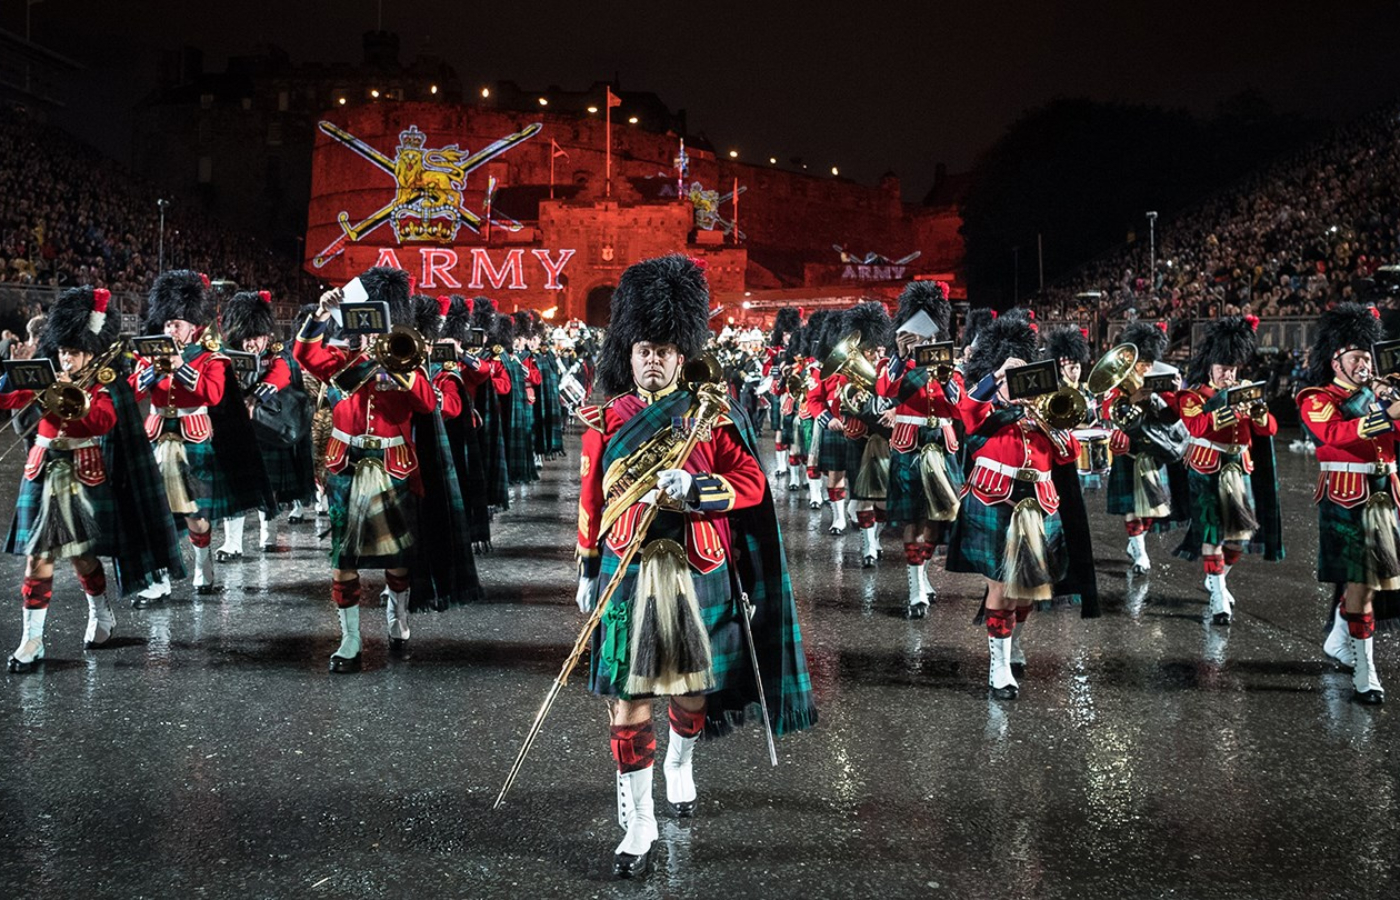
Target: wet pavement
208	753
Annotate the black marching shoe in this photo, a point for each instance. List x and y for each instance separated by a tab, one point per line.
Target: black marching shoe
684	810
1018	669
21	668
1366	698
342	666
222	555
1220	618
917	611
1004	693
398	647
625	865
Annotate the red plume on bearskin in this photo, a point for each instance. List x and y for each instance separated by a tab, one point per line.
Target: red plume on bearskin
1066	342
69	321
178	294
246	315
1345	326
1228	341
1150	340
930	297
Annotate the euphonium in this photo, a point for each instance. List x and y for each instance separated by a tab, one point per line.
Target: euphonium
1117	369
705	369
847	359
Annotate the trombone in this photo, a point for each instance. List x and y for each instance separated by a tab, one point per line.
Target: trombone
399	351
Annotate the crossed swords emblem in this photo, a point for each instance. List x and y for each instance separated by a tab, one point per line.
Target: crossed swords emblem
464	215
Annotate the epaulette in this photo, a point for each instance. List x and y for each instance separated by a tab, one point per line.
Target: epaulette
592	416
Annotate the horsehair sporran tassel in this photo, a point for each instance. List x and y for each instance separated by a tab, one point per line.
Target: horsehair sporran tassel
374	523
1237	518
1026	571
940	498
873	480
66	525
670	649
174	469
1382	542
1150	497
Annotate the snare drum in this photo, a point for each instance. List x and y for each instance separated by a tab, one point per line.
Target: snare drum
1095	458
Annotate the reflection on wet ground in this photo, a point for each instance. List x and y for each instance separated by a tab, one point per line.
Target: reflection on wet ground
208	752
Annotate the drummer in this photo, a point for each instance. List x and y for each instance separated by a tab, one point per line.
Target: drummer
1070	346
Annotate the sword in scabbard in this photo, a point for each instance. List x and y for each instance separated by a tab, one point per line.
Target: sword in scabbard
746	614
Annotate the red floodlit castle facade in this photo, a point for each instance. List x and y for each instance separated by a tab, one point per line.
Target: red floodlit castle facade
460	196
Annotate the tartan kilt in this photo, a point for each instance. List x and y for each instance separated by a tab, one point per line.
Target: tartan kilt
287	470
775	411
338	501
31	496
787	430
1341	538
610	658
1120	485
978	542
802	432
906	503
839	453
1205	506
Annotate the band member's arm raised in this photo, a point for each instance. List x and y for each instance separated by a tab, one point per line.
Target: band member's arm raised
313	354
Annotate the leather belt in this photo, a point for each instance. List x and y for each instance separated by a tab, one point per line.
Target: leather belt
166	412
1234	449
1384	468
62	443
1013	472
367	441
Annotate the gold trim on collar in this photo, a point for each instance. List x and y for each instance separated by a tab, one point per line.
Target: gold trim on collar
650	397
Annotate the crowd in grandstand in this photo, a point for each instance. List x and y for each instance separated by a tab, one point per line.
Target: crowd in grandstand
1293	239
71	216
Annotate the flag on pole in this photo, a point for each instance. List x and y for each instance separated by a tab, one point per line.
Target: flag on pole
613	99
556	151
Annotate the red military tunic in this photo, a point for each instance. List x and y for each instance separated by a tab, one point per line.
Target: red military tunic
1218	432
378	414
1020	451
1351	450
924	407
727	478
186	394
80	435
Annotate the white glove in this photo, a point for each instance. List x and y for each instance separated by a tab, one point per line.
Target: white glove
584	598
650	497
675	483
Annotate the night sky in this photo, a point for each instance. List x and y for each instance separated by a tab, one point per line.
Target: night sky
864	86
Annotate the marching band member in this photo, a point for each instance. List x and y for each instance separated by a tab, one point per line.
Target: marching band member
1358	530
672	629
775	372
1234	493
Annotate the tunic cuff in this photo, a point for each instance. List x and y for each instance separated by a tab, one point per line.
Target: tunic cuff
713	494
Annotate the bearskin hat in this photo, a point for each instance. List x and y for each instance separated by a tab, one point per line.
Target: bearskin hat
1007	337
1066	342
812	333
459	319
872	320
665	300
483	313
502	331
78	320
428	313
786	322
528	323
925	296
832	330
977	320
1148	337
247	314
178	294
386	284
1228	341
1346	326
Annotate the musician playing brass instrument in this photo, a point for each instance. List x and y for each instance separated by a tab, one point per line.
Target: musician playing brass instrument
1358	530
926	475
667	541
777	372
1069	347
1138	485
1234	493
1009	528
68	507
808	379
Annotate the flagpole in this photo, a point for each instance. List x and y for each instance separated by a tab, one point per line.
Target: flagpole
607	177
551	168
736	209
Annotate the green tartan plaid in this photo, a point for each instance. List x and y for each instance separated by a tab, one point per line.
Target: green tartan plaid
907	503
757	563
338	501
1205	506
1341	538
551	437
31	496
289	472
839	453
803	433
786	427
978	542
520	426
612	651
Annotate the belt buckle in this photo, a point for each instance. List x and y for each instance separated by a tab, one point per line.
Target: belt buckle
370	443
59	444
1386	468
1025	474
